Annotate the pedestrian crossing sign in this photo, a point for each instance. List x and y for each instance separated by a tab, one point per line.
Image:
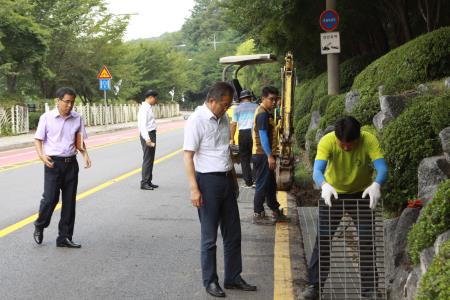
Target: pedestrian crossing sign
104	74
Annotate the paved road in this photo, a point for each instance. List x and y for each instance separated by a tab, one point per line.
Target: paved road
136	244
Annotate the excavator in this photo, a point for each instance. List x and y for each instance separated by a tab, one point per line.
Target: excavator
285	129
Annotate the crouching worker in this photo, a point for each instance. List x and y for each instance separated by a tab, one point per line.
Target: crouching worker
343	168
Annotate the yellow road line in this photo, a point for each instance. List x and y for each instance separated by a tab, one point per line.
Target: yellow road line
4	232
37	160
282	274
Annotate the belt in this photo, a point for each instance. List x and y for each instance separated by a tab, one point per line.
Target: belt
227	173
68	159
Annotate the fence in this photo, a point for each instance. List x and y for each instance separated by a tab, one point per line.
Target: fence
14	120
95	115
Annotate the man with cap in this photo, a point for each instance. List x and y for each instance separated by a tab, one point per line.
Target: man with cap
243	119
147	135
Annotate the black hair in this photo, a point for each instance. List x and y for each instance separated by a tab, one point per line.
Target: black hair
150	93
220	89
347	129
269	90
65	91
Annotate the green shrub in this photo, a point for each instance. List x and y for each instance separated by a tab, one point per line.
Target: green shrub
435	220
302	176
301	105
406	141
366	109
33	118
435	282
311	138
350	68
309	91
440	116
420	60
301	127
321	104
334	111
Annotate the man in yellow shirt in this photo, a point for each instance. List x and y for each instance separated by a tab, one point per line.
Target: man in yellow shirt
343	169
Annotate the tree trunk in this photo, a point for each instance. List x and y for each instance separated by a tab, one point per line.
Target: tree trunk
11	83
430	11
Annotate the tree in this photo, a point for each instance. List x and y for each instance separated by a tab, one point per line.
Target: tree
23	42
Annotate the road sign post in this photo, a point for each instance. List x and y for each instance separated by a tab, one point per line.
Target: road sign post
329	20
104	78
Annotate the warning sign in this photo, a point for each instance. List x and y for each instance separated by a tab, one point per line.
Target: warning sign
104	74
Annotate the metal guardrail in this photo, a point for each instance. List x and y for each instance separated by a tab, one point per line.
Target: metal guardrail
351	250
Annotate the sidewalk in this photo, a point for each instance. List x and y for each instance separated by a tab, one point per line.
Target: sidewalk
27	140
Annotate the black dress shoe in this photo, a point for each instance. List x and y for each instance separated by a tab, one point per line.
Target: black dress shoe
153	185
66	242
215	290
38	235
146	186
240	284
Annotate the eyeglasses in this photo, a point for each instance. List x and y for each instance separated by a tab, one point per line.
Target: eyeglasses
67	101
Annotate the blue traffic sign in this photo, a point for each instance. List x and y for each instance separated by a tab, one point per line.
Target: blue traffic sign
105	84
329	20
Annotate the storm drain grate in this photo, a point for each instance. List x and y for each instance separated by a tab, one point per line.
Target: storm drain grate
354	268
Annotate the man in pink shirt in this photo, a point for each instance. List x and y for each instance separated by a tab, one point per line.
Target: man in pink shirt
55	146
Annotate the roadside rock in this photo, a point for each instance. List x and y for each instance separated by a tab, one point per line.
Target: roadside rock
444	135
431	172
351	99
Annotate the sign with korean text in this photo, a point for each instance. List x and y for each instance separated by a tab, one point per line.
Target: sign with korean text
330	42
104	74
329	20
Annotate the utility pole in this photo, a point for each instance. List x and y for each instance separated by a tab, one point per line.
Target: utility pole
332	62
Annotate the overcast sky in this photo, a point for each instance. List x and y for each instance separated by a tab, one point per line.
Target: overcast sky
154	18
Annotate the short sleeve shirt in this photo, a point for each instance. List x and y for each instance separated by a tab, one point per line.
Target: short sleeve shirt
209	138
58	133
349	171
243	115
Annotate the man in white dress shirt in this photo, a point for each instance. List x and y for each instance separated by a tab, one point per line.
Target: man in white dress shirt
214	188
147	134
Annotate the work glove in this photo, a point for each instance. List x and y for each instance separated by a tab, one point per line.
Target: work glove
327	191
374	192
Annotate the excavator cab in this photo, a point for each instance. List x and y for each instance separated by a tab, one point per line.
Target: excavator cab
236	63
283	144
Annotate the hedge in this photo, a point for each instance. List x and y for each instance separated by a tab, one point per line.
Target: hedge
350	68
334	111
407	140
435	219
421	60
301	127
435	282
313	93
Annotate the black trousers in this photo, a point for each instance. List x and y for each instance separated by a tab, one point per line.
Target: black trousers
219	208
63	177
245	154
148	158
266	185
367	266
